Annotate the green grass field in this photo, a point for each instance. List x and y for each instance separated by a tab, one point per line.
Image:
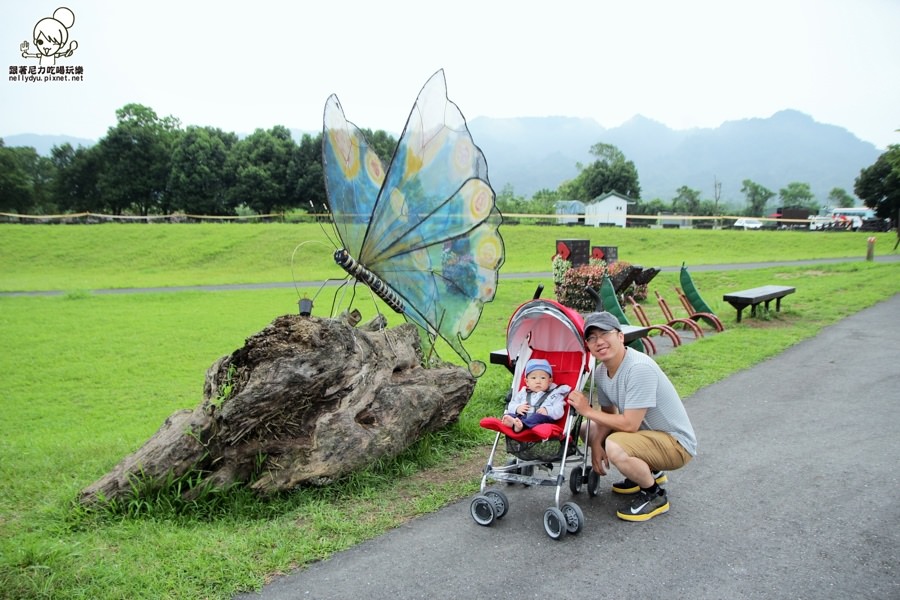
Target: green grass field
89	377
57	257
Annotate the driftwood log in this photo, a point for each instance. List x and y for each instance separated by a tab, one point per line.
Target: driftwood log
306	401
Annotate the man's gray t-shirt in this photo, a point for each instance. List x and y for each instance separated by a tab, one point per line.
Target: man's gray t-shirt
640	383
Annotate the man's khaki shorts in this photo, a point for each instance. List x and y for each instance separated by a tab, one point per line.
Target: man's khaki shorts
658	449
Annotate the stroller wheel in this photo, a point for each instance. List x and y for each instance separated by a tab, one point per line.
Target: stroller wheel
482	511
593	482
555	523
576	480
574	517
501	503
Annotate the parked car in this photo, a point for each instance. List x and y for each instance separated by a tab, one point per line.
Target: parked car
748	224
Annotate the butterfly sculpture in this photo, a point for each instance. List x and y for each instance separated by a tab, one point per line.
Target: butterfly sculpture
423	233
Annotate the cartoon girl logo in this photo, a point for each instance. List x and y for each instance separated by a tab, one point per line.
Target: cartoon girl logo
50	37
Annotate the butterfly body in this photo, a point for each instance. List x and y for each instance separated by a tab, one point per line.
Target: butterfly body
423	232
349	264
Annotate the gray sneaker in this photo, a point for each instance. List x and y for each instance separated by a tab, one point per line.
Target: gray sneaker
645	506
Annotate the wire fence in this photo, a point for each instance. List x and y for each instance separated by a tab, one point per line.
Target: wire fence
93	218
657	221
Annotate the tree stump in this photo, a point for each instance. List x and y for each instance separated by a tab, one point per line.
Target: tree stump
306	400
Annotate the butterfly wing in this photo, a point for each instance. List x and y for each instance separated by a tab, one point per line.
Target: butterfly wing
433	234
353	176
449	283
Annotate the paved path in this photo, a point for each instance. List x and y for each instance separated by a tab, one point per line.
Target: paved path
793	495
536	275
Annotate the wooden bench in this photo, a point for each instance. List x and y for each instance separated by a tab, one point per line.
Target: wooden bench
756	296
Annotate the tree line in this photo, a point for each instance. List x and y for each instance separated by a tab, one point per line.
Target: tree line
147	164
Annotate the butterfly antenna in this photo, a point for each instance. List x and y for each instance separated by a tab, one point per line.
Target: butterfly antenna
293	254
322	227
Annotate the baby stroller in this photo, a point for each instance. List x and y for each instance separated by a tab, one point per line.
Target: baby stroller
541	329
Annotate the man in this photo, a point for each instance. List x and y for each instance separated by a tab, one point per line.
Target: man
641	426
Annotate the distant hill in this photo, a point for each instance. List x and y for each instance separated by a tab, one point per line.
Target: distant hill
535	153
44	143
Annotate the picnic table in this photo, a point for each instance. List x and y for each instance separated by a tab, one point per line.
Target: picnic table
631	333
756	296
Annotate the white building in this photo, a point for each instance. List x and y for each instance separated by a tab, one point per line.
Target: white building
609	209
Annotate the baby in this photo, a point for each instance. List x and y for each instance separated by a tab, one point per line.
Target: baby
538	401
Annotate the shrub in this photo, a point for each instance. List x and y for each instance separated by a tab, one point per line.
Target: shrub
560	266
571	292
570	286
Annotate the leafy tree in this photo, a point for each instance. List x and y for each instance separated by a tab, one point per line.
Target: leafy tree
798	195
687	201
39	173
878	185
135	159
382	143
15	187
840	198
610	173
26	180
571	189
652	207
199	178
265	163
77	171
706	208
757	197
508	203
543	202
62	158
310	187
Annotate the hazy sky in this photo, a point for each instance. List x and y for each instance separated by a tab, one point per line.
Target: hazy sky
243	65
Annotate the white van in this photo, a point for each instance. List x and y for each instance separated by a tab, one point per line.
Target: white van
748	224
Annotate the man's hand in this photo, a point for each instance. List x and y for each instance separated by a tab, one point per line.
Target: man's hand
599	460
578	401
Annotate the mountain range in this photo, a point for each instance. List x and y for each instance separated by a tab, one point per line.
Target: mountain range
534	153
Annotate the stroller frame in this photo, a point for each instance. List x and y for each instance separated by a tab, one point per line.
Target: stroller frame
549	330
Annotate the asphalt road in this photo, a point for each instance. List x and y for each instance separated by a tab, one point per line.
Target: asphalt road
793	495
